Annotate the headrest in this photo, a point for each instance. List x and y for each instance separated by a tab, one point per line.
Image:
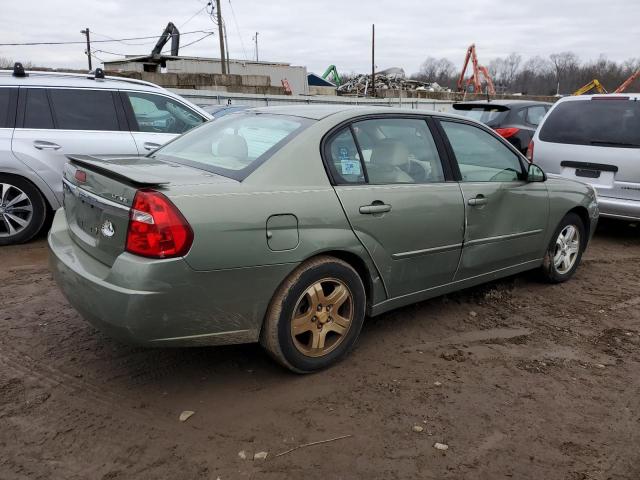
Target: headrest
233	146
390	152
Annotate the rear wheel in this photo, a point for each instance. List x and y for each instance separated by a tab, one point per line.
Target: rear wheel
22	210
315	316
565	250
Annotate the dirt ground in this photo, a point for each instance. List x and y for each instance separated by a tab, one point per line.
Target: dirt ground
520	379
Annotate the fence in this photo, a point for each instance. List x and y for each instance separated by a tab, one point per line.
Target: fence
213	97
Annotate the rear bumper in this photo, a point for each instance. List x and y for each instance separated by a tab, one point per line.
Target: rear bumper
619	208
162	302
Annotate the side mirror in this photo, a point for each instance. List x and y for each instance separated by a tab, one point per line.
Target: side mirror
535	173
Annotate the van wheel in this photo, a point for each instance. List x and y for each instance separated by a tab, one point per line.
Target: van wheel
22	210
316	315
565	250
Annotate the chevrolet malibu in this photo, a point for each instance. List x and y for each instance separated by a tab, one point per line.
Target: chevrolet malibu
290	225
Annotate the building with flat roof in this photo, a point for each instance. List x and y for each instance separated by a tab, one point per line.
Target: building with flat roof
296	76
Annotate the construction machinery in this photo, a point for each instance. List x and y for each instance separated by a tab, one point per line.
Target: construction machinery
335	76
627	82
474	79
170	33
593	84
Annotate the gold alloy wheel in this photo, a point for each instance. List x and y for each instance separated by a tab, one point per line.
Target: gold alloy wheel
322	317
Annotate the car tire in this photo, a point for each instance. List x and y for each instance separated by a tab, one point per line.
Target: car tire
565	250
316	315
20	220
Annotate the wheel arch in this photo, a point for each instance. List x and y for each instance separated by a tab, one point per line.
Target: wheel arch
44	190
583	213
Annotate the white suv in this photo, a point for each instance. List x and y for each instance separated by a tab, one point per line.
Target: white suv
595	139
45	116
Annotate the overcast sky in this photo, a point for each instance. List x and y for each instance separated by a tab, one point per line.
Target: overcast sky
320	33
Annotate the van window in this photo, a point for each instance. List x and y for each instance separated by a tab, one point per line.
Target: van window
6	101
37	113
607	123
84	109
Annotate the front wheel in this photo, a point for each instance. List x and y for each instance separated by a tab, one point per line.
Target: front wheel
315	316
565	250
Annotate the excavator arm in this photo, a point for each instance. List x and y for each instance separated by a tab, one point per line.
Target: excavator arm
478	70
170	33
627	82
595	83
333	72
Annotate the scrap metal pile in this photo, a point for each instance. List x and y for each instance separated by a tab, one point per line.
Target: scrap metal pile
391	78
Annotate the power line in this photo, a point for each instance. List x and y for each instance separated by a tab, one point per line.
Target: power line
193	16
164	51
235	20
21	44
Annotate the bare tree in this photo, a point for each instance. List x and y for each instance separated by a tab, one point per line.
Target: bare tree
565	65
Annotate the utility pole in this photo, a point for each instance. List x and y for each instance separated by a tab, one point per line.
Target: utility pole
85	32
221	35
373	60
256	40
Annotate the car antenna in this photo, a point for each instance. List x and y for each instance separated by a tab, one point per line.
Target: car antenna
18	70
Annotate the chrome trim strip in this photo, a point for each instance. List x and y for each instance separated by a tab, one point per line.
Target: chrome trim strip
499	238
426	251
92	197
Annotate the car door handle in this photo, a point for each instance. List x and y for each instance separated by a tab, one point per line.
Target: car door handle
375	208
477	201
151	146
43	145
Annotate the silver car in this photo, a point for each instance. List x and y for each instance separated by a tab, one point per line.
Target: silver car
595	139
46	116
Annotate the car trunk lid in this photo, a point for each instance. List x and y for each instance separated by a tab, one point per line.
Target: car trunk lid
99	193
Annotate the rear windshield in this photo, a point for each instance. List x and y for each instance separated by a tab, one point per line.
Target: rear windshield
606	123
491	115
234	145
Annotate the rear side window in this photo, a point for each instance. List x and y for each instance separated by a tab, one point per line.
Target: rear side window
535	115
160	114
84	109
345	163
37	112
606	123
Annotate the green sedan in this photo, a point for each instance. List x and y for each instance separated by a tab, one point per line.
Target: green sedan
290	225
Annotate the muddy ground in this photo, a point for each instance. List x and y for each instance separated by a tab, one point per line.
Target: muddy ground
520	379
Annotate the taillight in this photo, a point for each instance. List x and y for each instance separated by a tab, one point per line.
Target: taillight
157	229
530	151
507	132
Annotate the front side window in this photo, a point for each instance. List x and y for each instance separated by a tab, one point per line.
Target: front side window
84	109
235	144
37	111
481	157
160	114
398	150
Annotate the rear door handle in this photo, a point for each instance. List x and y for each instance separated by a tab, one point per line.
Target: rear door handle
375	208
477	201
151	146
44	145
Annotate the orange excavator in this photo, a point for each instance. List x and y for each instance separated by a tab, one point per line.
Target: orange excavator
474	79
627	82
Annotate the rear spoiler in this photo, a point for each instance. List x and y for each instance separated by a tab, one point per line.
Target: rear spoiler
129	169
